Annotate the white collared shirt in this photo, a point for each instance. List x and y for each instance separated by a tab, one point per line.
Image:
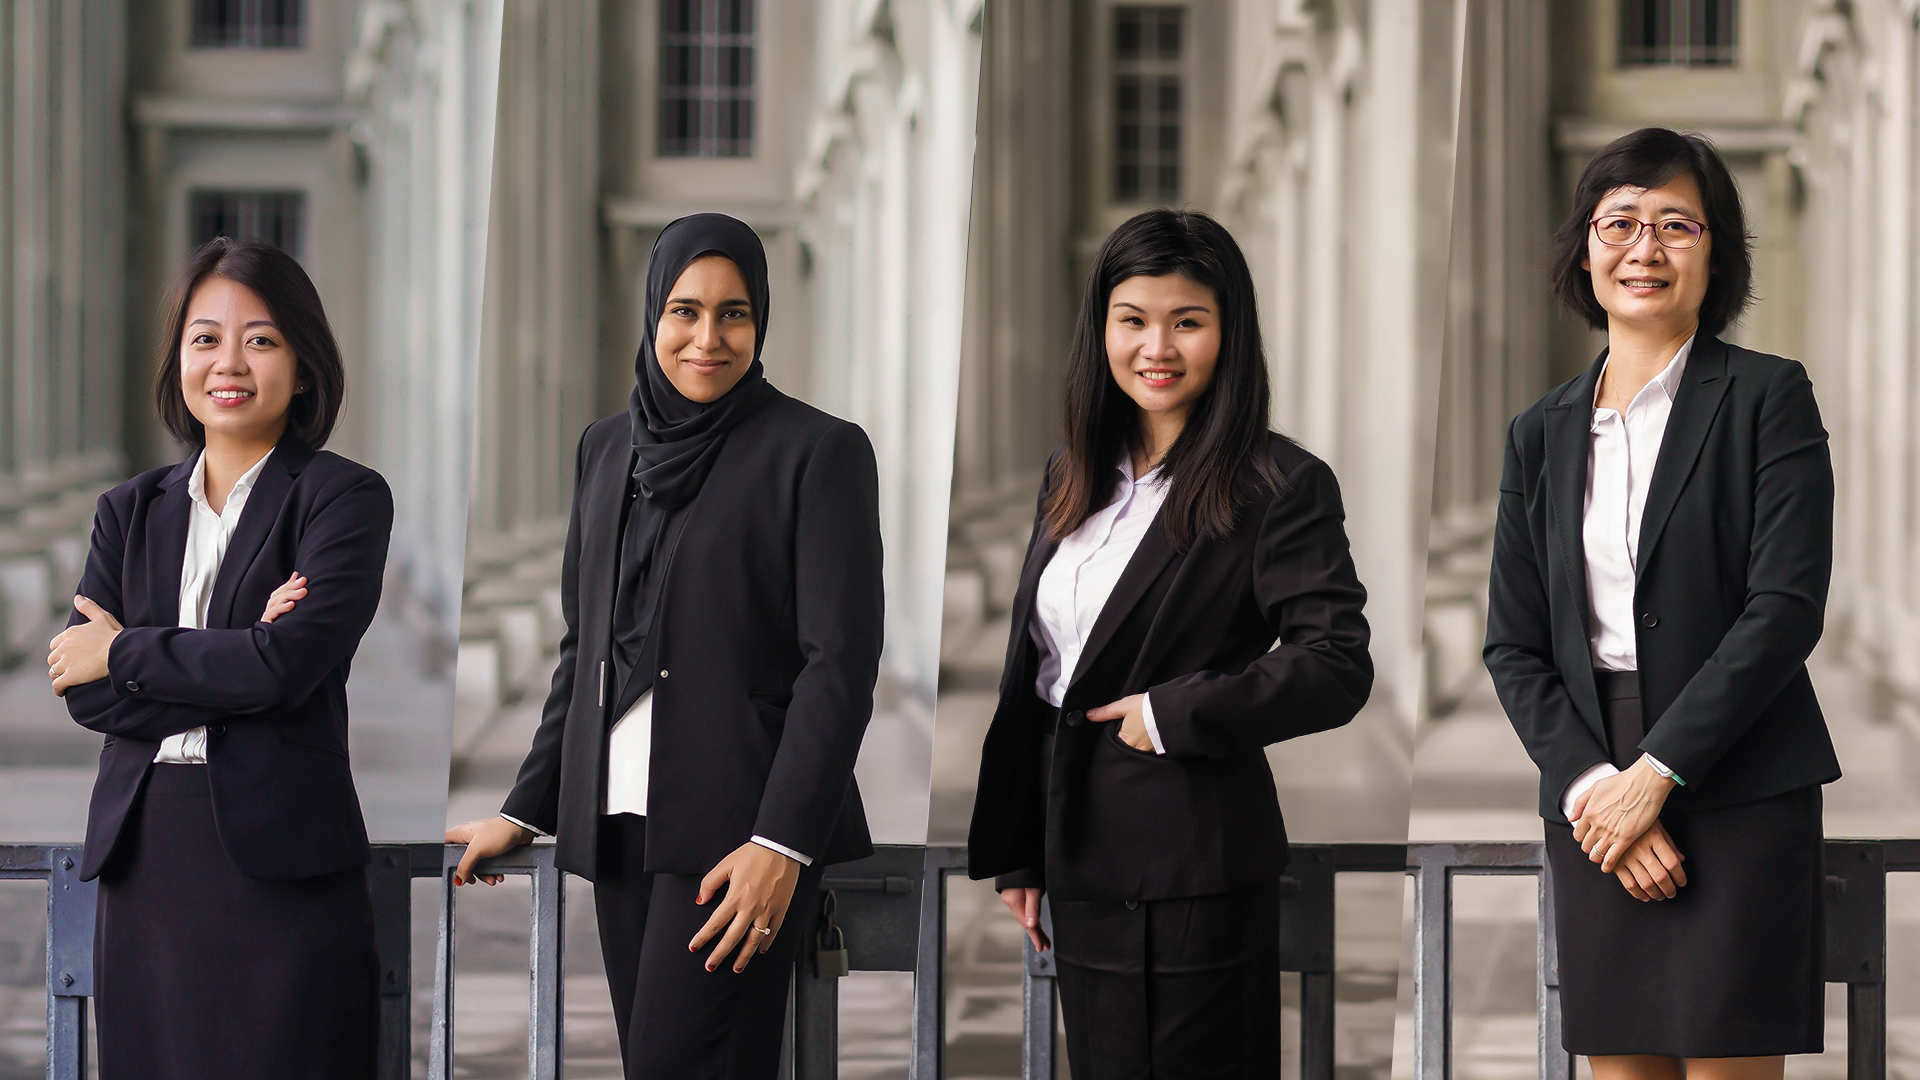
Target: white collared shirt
208	535
1621	454
1077	582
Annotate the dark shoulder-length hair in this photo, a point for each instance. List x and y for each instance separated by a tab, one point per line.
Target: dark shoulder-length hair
1222	452
1649	158
277	278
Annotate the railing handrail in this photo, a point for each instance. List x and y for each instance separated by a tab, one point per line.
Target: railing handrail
893	907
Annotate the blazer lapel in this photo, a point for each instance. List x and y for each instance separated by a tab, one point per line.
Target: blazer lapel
167	546
1569	436
1702	388
1142	570
257	519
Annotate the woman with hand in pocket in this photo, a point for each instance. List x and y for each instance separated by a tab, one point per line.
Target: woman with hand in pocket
1187	600
234	930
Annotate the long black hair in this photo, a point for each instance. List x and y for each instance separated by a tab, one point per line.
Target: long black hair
1650	158
1223	448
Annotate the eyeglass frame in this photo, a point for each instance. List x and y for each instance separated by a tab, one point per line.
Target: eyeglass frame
1593	223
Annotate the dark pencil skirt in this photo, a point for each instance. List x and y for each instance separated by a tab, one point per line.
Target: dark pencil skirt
201	971
1732	967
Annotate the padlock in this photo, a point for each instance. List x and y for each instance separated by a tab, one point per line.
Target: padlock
830	945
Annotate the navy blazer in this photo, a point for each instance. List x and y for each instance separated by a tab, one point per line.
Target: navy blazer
1243	640
273	696
768	639
1736	548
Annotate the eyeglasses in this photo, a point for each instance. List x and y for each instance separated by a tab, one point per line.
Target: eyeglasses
1675	232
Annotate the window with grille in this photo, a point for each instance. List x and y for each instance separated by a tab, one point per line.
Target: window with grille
706	78
247	24
1146	103
1690	33
277	217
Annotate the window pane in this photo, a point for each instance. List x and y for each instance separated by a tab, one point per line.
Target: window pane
706	78
1693	33
247	24
1147	42
276	217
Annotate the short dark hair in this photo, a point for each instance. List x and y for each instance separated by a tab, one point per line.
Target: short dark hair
280	282
1222	450
1649	158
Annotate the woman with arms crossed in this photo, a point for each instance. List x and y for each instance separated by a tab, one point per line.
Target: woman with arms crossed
1660	568
1124	772
722	595
234	932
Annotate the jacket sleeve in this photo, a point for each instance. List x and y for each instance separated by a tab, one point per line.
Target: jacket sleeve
535	798
343	554
1319	674
839	610
1789	564
1519	645
94	705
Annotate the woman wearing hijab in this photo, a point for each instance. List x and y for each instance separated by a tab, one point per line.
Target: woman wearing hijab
1188	599
1660	567
234	931
722	594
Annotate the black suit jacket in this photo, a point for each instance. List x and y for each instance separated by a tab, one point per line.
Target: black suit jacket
273	696
1736	547
1197	631
767	637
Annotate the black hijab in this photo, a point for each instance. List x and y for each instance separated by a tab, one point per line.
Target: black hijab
675	439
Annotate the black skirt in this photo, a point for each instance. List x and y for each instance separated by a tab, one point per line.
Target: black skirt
1732	967
201	971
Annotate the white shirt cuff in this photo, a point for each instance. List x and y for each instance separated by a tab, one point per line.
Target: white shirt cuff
1581	783
525	826
1153	729
787	851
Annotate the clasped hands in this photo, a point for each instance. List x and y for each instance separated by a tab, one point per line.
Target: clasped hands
78	654
1617	824
759	884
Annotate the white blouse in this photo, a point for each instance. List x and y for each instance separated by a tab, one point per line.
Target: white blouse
208	535
1620	459
1076	583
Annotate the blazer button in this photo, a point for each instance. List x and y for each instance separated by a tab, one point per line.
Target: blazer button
1131	904
218	729
1076	718
132	687
1649	620
663	673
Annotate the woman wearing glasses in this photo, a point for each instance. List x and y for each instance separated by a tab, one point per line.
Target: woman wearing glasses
1660	571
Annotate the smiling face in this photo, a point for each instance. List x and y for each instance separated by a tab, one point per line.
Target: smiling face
1646	283
236	372
705	338
1163	337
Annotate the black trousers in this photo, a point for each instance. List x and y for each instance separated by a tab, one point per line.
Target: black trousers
675	1018
201	971
1179	989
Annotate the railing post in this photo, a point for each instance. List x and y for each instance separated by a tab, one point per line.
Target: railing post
390	881
546	989
930	968
70	908
1038	987
1856	948
1555	1062
1306	946
1433	949
440	1046
816	1020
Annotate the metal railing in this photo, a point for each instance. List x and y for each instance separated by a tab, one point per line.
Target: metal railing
892	909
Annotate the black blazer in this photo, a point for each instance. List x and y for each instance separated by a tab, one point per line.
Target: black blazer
273	696
767	634
1198	630
1736	547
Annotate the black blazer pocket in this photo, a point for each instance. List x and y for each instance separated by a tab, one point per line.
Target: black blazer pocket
1113	736
311	742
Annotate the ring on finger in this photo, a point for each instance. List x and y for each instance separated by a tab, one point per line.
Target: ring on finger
763	930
